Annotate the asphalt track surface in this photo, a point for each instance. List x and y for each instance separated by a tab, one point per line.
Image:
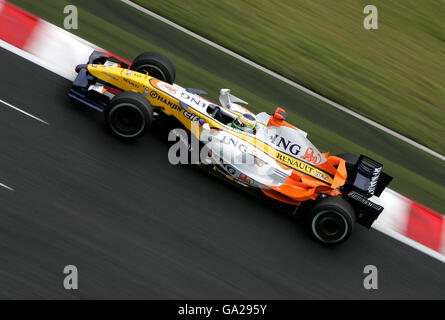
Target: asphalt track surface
137	227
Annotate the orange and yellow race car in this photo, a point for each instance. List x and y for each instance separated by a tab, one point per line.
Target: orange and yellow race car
259	152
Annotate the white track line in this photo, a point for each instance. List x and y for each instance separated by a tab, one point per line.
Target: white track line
24	112
6	187
289	82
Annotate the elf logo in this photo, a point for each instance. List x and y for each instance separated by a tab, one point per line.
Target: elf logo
191	116
286	144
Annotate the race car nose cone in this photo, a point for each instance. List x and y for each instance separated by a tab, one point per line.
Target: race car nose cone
80	67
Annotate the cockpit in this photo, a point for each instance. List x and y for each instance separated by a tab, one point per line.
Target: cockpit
241	121
220	114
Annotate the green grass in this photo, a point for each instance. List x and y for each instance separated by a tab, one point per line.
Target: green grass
393	75
126	32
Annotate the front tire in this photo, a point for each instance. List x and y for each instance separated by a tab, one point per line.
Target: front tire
331	221
128	115
156	64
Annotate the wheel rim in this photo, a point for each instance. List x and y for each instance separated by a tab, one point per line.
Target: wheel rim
330	226
153	71
126	120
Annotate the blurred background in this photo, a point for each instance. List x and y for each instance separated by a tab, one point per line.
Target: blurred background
393	75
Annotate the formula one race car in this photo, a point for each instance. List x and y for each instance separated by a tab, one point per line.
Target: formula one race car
262	153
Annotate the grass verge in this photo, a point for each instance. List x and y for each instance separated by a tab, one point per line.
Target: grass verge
393	75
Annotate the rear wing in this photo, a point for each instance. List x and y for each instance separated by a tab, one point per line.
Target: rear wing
365	180
368	177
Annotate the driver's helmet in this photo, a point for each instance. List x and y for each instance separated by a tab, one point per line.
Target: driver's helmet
245	122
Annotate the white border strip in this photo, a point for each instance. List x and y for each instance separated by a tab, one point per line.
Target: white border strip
289	82
33	58
410	242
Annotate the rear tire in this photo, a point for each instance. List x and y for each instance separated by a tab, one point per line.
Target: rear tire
156	64
331	221
128	115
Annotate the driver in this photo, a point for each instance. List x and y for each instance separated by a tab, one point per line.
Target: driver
245	122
